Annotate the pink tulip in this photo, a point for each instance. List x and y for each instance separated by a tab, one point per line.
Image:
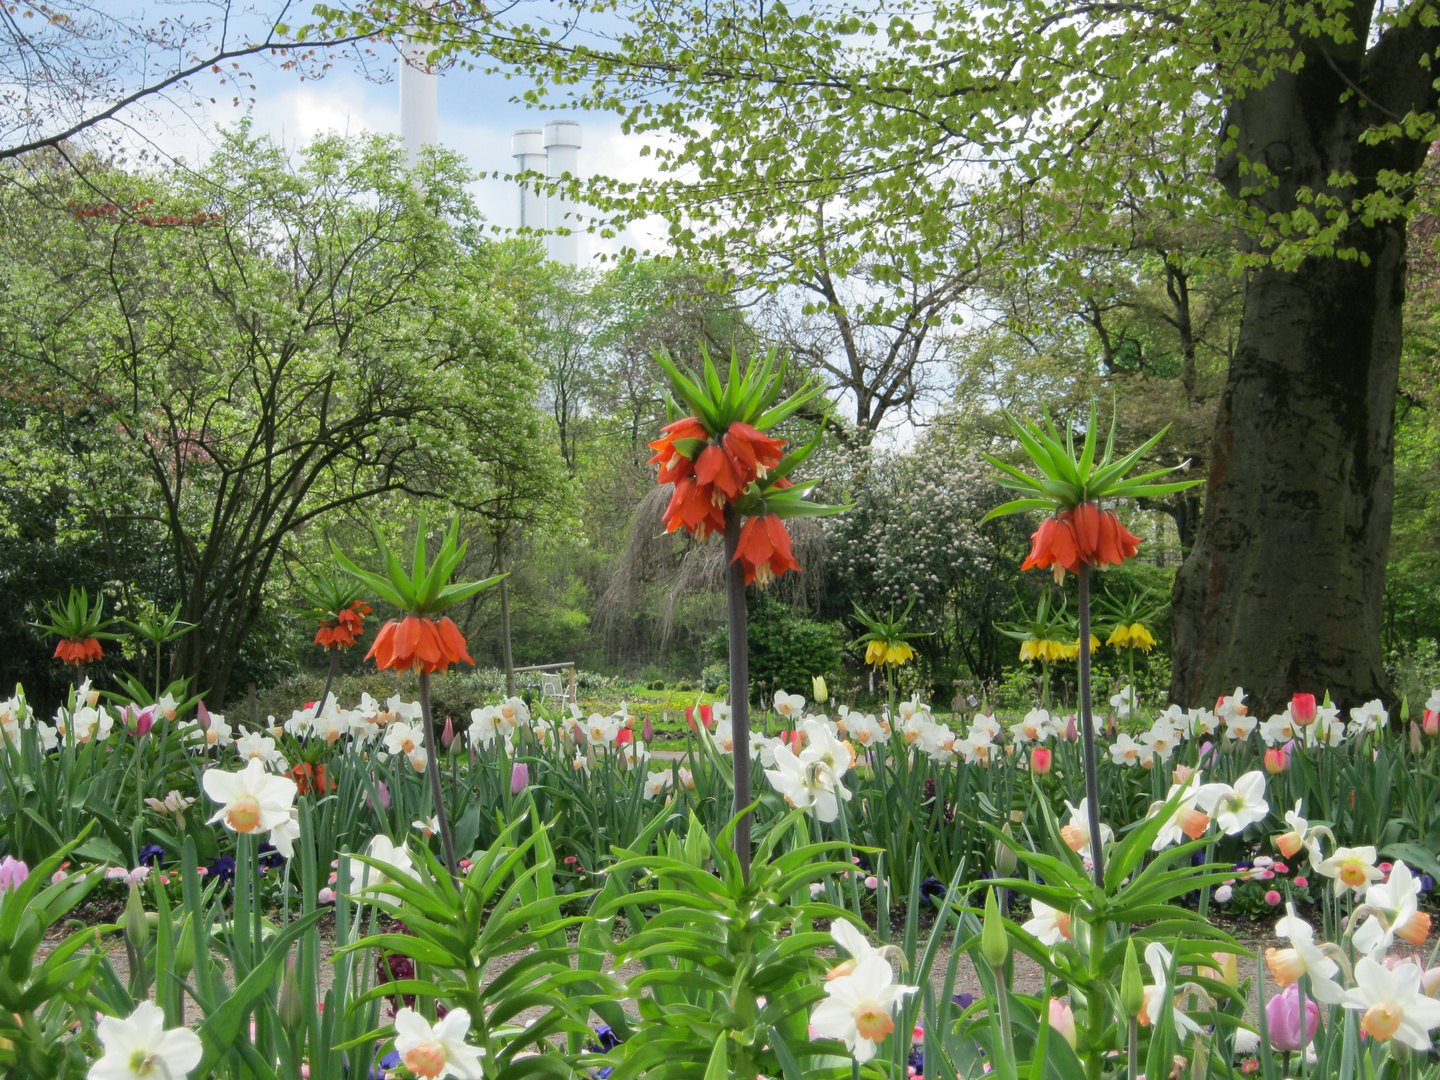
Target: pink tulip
139	721
1302	709
647	730
519	777
1282	1015
447	735
1276	761
1040	761
12	873
202	715
1062	1019
1432	722
1071	731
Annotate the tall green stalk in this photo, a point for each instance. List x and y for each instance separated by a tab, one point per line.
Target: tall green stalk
739	687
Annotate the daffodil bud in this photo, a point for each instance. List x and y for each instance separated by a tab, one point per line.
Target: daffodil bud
137	927
184	958
1132	985
994	942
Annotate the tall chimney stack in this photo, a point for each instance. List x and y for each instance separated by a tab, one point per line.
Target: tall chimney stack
419	99
562	152
528	149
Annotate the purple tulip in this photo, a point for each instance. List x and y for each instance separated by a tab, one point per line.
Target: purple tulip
1283	1017
519	777
447	736
139	720
12	873
647	730
384	794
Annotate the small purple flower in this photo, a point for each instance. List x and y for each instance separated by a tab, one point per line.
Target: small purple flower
152	855
963	1001
222	868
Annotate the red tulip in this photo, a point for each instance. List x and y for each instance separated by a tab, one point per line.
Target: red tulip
1302	709
1040	761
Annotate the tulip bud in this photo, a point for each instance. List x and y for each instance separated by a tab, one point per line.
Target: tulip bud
137	927
1132	986
994	942
1417	745
647	730
202	716
1071	731
1225	970
1004	854
1276	761
1302	709
1040	761
290	1009
519	777
1062	1019
447	734
819	690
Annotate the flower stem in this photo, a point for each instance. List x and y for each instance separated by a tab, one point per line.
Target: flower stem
432	769
1092	781
329	681
739	687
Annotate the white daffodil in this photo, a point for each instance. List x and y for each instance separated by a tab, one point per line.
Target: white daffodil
938	741
854	943
284	835
1367	718
657	783
1036	727
976	748
1231	705
812	778
1125	750
439	1050
791	706
1123	702
1161	740
1279	729
1076	831
1303	957
860	1007
426	827
1352	868
1392	1003
1158	995
482	729
1238	726
260	747
382	850
139	1047
402	738
723	736
1233	808
1393	911
251	800
512	715
1187	822
1202	723
987	723
1301	834
1049	925
866	730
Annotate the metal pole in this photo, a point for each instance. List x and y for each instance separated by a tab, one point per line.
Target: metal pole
739	686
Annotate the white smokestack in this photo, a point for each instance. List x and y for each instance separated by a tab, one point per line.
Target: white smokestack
419	99
562	151
528	149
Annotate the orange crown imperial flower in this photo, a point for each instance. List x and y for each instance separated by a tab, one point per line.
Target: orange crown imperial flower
764	549
418	641
420	644
347	625
79	625
1080	533
79	650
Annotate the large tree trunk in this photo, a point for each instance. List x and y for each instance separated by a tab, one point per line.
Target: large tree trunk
1282	592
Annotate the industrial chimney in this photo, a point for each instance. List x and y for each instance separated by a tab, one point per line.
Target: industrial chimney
562	154
528	148
419	108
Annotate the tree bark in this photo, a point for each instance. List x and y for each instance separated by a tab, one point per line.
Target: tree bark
1283	590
